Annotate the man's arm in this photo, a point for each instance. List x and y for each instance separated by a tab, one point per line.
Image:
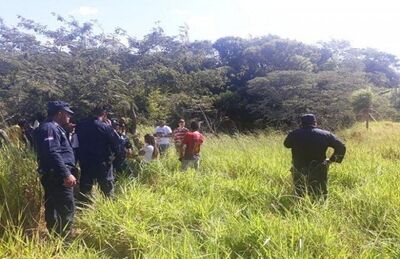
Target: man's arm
339	149
182	148
51	150
169	132
175	134
288	143
114	140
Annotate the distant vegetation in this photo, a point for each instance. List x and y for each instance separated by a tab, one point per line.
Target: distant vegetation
237	83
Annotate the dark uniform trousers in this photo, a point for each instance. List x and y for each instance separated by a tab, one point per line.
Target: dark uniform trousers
59	204
88	178
312	179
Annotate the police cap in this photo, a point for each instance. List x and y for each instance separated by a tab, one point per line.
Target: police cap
56	106
308	119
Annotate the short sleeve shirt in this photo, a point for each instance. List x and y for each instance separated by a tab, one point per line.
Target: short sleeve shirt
179	134
162	134
193	141
148	153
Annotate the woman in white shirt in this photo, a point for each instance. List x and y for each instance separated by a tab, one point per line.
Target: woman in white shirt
150	150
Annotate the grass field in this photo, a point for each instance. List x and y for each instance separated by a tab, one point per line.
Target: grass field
239	204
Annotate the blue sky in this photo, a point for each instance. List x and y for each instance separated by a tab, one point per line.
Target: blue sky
368	23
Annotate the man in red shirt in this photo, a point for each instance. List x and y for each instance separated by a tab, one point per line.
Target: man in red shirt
190	149
179	134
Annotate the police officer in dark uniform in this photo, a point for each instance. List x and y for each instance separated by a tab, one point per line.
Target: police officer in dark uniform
310	164
98	147
56	164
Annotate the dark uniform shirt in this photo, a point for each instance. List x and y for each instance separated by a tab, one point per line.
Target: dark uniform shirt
54	151
98	145
310	144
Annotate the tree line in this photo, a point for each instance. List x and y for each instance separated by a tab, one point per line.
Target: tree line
233	83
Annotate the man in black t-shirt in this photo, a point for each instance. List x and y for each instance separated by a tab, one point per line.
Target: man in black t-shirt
310	164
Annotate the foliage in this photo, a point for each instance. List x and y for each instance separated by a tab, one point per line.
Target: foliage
362	100
20	195
269	80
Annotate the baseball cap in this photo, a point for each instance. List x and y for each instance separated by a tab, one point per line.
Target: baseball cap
55	106
98	110
308	119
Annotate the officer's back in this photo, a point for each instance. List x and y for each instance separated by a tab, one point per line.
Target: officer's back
98	145
310	143
96	142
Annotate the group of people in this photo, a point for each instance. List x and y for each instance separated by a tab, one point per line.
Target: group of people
102	146
187	142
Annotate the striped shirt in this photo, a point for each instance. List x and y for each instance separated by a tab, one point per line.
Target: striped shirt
179	134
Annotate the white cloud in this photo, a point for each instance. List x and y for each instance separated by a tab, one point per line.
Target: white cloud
200	26
180	13
86	11
366	23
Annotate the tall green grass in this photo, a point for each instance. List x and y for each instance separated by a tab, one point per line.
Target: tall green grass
240	204
20	192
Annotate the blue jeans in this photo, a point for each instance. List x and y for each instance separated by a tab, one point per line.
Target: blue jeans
186	163
163	149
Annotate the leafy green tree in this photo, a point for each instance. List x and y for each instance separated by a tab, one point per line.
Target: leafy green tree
362	101
250	83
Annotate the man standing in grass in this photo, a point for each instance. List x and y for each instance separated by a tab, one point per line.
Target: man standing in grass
98	147
310	164
190	148
179	134
56	166
163	134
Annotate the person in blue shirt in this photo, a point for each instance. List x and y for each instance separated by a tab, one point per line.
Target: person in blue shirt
56	167
98	147
310	163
